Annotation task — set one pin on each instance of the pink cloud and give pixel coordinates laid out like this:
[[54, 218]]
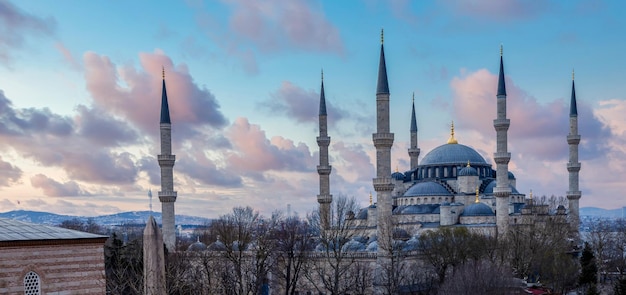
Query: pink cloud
[[254, 152], [53, 188], [9, 173], [68, 57], [353, 162], [130, 92]]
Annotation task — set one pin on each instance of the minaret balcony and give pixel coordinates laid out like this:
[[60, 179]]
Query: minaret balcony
[[168, 196], [414, 152], [574, 195], [573, 167], [573, 139], [382, 139], [502, 158], [501, 124], [324, 169], [323, 140], [324, 199], [383, 184], [166, 160]]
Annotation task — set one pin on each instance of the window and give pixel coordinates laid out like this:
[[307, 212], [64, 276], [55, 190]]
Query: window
[[32, 284]]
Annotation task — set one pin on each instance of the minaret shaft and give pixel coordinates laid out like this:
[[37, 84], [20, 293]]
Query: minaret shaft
[[502, 191], [324, 168], [573, 165], [167, 195]]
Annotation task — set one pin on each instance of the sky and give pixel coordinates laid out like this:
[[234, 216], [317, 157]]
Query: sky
[[80, 91]]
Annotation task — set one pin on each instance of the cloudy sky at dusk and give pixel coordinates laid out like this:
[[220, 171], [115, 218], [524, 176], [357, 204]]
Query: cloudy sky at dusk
[[80, 92]]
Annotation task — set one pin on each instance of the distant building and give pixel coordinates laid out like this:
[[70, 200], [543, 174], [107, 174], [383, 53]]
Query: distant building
[[41, 259]]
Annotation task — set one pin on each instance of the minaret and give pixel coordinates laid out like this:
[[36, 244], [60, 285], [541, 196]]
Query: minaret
[[167, 195], [414, 151], [502, 157], [573, 166], [383, 140], [323, 169]]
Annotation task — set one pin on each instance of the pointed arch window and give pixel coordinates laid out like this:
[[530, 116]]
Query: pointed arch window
[[32, 284]]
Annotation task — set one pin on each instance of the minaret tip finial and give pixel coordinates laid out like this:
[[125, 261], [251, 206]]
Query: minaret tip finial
[[163, 72], [413, 96], [572, 74], [501, 49], [382, 36], [531, 194], [370, 198], [452, 140], [322, 75]]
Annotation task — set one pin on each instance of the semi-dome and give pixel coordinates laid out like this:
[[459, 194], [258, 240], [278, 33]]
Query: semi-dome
[[489, 188], [453, 153], [477, 209], [468, 171], [428, 188]]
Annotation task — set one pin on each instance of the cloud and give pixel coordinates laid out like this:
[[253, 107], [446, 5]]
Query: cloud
[[256, 153], [67, 56], [269, 27], [200, 168], [353, 162], [53, 188], [100, 128], [128, 92], [299, 104], [15, 26], [9, 173], [29, 121], [502, 10]]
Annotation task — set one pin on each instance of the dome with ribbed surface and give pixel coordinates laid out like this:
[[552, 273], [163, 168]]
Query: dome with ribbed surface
[[453, 154], [428, 188], [489, 188], [397, 176], [477, 209], [468, 171]]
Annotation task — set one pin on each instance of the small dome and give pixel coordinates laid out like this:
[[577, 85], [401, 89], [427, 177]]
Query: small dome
[[362, 214], [411, 245], [468, 171], [477, 209], [428, 188], [397, 176], [372, 247], [400, 234], [453, 154], [217, 246], [511, 175], [489, 188], [197, 246], [353, 246]]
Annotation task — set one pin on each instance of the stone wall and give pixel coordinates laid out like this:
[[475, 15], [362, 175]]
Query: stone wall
[[62, 268]]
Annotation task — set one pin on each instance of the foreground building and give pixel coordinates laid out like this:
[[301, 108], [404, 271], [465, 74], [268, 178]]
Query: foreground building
[[40, 259]]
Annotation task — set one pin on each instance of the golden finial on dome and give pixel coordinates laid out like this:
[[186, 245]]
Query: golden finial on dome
[[452, 140], [476, 200], [468, 164], [370, 198], [382, 36], [397, 168], [163, 72]]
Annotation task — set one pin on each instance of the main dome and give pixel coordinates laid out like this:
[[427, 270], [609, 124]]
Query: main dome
[[453, 153]]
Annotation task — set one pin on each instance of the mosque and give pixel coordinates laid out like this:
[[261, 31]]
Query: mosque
[[452, 185]]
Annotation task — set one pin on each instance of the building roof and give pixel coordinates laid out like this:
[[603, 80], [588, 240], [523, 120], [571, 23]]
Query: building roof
[[468, 171], [20, 231], [573, 110], [383, 84], [456, 154], [165, 109], [428, 188], [477, 209]]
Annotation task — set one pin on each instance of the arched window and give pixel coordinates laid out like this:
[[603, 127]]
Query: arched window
[[32, 285]]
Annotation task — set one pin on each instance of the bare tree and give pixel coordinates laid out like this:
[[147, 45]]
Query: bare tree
[[480, 277], [330, 267], [294, 239], [123, 266]]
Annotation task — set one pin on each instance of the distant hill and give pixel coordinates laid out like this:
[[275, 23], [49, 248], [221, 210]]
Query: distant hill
[[599, 212], [132, 217]]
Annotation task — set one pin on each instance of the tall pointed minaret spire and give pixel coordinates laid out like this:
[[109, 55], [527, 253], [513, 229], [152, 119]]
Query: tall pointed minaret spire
[[324, 169], [167, 195], [502, 191], [414, 150], [383, 141], [573, 166]]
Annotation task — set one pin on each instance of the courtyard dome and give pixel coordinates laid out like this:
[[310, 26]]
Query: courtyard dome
[[477, 209], [428, 188], [453, 154], [197, 246]]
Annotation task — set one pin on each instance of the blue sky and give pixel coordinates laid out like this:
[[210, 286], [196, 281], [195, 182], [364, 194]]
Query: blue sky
[[81, 89]]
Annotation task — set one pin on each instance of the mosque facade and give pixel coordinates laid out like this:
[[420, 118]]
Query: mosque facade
[[453, 184]]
